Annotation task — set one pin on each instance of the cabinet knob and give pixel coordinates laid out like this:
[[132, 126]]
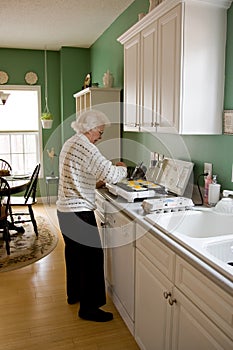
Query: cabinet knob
[[172, 301], [166, 294]]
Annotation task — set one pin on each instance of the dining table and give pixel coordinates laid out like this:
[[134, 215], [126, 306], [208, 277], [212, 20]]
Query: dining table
[[18, 184]]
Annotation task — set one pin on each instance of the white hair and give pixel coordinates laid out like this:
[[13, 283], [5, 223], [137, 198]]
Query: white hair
[[89, 120]]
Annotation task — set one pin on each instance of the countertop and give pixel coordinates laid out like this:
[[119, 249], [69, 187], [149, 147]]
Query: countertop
[[212, 268]]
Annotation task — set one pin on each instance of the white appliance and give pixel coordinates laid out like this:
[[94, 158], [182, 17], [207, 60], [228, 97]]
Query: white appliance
[[164, 205], [171, 179]]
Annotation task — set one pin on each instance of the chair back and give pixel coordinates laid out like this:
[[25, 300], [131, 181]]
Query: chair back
[[32, 186], [5, 168], [5, 193]]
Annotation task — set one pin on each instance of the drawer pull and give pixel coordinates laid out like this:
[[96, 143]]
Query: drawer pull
[[171, 301], [166, 294]]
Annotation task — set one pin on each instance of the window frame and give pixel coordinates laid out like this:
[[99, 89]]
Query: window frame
[[36, 88]]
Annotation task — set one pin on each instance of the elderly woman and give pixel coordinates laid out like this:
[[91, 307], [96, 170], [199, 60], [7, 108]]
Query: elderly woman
[[81, 167]]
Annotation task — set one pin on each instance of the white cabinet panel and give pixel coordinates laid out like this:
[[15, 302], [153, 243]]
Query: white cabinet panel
[[132, 84], [120, 261], [149, 38], [152, 312], [211, 299], [193, 330], [169, 65], [185, 311], [178, 73]]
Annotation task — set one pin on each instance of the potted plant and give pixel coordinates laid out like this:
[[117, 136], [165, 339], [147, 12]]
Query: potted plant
[[46, 119]]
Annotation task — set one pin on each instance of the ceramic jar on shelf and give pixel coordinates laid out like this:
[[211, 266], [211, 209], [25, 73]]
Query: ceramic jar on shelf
[[108, 79]]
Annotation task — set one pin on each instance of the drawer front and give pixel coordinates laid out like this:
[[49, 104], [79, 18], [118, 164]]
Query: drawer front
[[100, 203], [158, 253], [206, 295], [120, 228], [115, 217]]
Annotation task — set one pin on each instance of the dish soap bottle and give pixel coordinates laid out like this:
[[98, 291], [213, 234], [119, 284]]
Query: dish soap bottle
[[214, 191], [208, 181]]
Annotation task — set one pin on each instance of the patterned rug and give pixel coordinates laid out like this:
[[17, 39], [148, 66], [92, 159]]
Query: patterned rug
[[26, 248]]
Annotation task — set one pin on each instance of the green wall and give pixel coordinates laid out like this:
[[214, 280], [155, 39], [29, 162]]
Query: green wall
[[75, 64], [67, 69], [106, 54]]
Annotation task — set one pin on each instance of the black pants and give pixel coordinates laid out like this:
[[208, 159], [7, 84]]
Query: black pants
[[84, 259]]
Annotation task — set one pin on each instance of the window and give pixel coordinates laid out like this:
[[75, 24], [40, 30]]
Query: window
[[20, 131]]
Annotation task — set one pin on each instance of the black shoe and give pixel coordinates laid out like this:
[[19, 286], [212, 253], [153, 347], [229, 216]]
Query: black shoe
[[71, 301], [96, 315]]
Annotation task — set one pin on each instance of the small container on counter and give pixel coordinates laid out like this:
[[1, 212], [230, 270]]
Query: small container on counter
[[214, 191]]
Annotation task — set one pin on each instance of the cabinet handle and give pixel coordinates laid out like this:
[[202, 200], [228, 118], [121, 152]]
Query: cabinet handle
[[166, 294], [172, 301]]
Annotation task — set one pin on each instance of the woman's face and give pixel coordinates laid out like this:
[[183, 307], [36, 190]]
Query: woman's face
[[95, 134]]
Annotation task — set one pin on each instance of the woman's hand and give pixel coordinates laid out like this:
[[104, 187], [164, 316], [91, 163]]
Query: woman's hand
[[100, 184]]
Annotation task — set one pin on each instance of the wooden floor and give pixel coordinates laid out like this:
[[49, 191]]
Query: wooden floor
[[34, 313]]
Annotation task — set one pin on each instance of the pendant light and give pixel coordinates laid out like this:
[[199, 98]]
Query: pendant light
[[3, 97], [46, 116]]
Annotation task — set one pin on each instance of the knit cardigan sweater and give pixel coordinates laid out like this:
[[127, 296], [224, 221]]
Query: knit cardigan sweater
[[81, 165]]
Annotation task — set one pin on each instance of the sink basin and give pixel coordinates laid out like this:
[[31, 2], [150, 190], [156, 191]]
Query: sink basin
[[194, 223], [222, 250]]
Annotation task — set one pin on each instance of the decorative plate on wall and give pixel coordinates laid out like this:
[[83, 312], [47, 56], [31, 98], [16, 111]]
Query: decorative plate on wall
[[31, 78], [3, 77]]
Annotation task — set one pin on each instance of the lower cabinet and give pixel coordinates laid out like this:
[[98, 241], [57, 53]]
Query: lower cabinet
[[120, 262], [152, 310], [177, 310], [203, 313], [166, 302], [192, 329]]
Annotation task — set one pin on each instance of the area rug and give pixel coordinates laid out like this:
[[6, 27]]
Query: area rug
[[26, 248]]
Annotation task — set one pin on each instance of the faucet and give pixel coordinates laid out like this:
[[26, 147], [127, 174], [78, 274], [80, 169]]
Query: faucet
[[227, 193]]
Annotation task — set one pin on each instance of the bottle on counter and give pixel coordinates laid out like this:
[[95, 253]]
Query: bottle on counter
[[214, 191], [208, 181]]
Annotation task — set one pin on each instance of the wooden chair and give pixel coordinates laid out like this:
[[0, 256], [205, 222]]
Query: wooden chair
[[5, 168], [4, 212], [28, 200]]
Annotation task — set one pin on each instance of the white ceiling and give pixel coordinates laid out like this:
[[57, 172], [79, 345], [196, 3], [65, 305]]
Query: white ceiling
[[51, 24]]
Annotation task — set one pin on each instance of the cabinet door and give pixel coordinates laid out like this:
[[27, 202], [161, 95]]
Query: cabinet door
[[152, 311], [193, 330], [169, 63], [132, 84], [149, 52], [120, 242]]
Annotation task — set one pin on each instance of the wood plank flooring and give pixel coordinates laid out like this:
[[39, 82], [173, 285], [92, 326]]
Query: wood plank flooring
[[34, 313]]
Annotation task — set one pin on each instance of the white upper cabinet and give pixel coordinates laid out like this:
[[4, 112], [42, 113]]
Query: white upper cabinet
[[149, 43], [169, 69], [108, 101], [131, 83], [174, 66]]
